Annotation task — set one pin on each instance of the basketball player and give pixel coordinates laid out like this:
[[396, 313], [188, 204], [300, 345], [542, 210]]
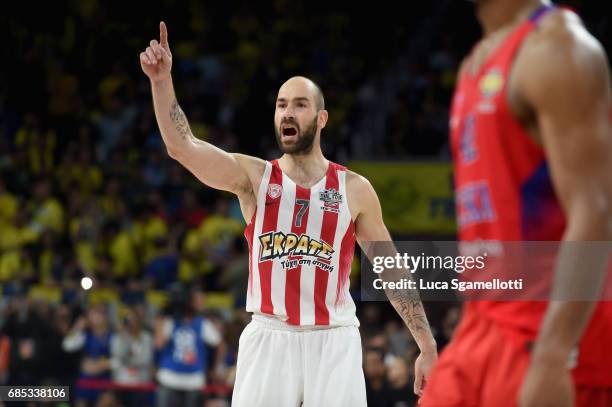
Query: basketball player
[[532, 146], [304, 214]]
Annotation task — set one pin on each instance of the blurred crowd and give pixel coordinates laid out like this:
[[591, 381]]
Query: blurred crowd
[[126, 355], [80, 65], [115, 355], [87, 189]]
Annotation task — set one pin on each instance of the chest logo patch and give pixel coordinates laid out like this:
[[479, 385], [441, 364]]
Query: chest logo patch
[[274, 191], [491, 83], [331, 199]]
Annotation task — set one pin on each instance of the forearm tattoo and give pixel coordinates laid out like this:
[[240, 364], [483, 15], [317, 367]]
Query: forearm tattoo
[[180, 121], [410, 308], [407, 303]]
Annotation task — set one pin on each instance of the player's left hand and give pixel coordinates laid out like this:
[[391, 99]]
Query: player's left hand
[[422, 367], [547, 386]]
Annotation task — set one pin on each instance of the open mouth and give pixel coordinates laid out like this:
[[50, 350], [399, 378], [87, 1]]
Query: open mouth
[[289, 131]]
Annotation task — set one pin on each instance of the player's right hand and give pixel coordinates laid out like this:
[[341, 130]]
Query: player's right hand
[[156, 60], [422, 368]]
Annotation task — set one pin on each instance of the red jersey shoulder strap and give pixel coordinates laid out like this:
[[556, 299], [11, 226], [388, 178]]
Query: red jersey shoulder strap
[[508, 47], [511, 45]]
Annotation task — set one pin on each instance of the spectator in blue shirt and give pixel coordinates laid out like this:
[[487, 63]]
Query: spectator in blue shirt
[[91, 335], [183, 338]]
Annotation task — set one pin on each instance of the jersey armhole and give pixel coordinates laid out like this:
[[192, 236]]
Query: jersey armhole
[[261, 193], [343, 181], [506, 106]]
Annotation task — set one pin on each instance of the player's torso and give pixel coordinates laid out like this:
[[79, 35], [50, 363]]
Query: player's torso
[[502, 182], [301, 243], [504, 193]]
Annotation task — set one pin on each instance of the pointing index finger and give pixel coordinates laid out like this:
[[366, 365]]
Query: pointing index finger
[[163, 35]]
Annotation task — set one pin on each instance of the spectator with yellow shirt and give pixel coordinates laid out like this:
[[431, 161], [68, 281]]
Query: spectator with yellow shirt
[[44, 210], [151, 226], [14, 232], [49, 259], [85, 229], [108, 202], [64, 171], [88, 175], [118, 245], [218, 231], [21, 267], [8, 203], [193, 262], [37, 144], [77, 170], [13, 237]]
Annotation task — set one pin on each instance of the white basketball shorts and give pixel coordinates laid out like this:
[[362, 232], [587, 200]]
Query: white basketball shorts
[[283, 365]]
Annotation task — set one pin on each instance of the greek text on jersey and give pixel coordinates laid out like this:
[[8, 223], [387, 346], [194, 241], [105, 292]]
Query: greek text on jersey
[[278, 244]]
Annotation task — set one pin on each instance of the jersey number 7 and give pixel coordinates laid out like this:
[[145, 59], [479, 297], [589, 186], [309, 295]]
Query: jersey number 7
[[303, 204]]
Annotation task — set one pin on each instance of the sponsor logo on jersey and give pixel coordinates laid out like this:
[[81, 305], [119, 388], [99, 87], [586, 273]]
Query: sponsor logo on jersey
[[468, 149], [275, 245], [474, 204], [489, 86], [331, 199], [274, 191], [491, 83]]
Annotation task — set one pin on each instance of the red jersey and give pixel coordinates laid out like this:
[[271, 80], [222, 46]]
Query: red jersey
[[301, 247], [504, 190]]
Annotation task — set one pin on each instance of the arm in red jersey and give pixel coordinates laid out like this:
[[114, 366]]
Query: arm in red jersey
[[562, 76], [370, 227], [216, 168]]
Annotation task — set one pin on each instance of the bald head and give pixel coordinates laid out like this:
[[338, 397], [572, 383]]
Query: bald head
[[299, 116], [307, 87]]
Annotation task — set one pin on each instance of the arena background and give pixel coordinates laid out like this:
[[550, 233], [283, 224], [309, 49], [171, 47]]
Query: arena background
[[87, 188]]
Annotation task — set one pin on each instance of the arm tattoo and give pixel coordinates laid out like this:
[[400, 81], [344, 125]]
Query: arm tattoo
[[410, 308], [180, 121], [407, 303]]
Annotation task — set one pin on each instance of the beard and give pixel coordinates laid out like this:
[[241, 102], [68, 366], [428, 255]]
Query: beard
[[304, 142]]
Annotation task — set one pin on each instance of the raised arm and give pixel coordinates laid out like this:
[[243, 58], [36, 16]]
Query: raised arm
[[216, 168], [563, 76], [370, 228], [75, 339]]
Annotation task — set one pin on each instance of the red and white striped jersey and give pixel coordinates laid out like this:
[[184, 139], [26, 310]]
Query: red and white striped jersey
[[301, 246]]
